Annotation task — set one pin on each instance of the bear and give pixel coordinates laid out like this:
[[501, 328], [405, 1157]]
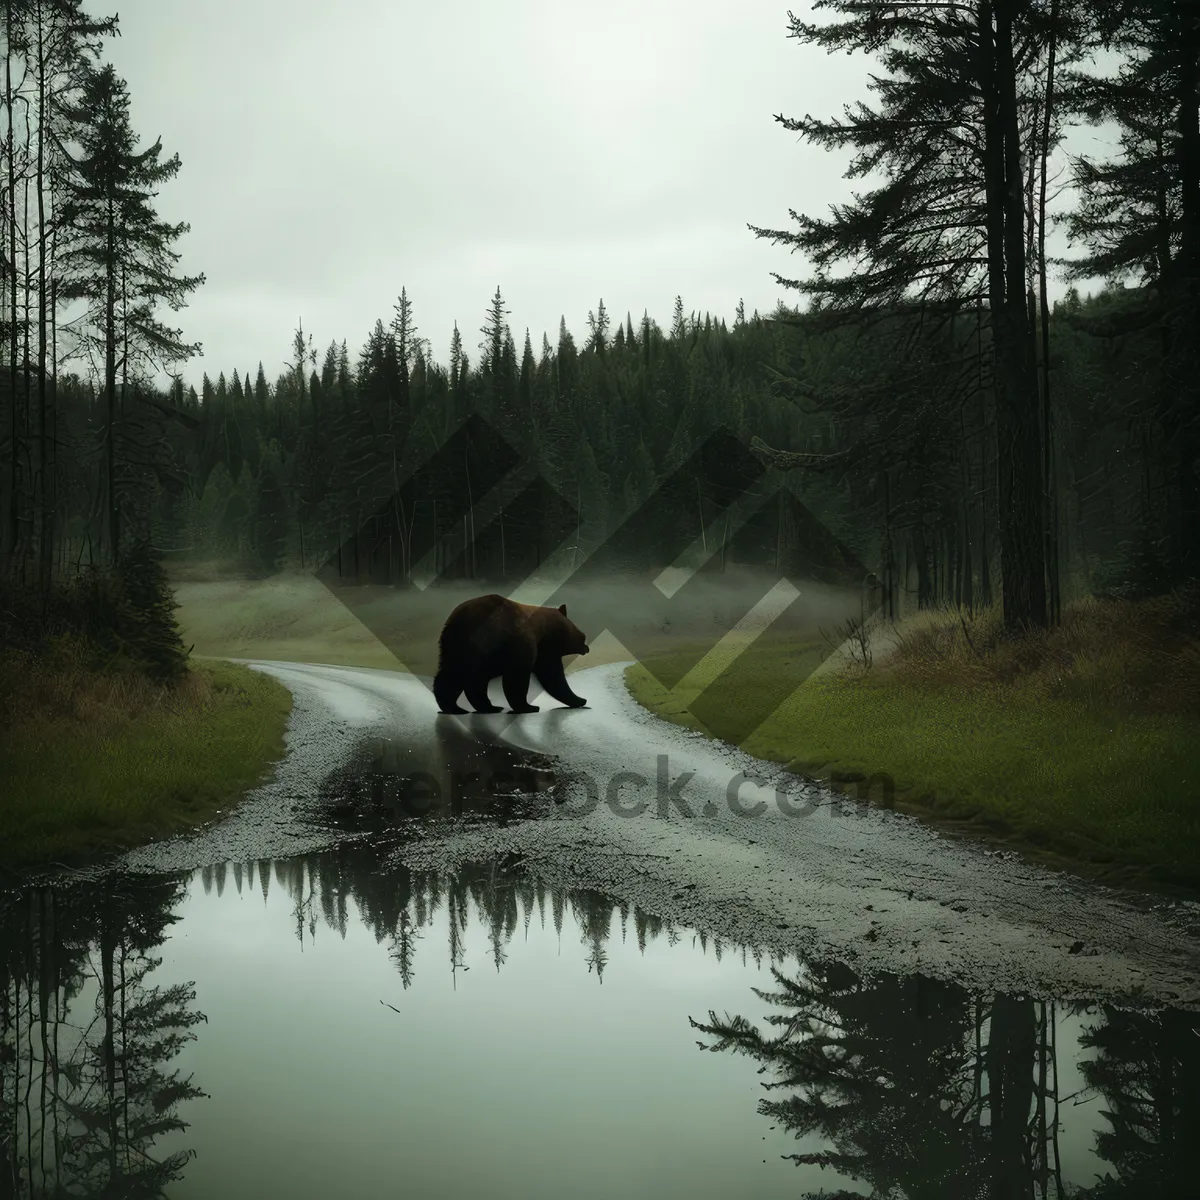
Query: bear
[[492, 635]]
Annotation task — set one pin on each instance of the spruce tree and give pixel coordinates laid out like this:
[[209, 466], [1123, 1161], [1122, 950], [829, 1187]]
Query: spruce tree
[[1139, 218], [678, 321], [948, 223], [528, 371], [146, 626], [404, 330], [493, 329], [598, 323], [116, 254]]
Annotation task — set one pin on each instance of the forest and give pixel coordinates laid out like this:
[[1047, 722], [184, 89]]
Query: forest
[[946, 410], [923, 409]]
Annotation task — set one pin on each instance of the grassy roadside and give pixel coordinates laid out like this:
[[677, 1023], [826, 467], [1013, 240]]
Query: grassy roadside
[[1080, 746], [93, 762]]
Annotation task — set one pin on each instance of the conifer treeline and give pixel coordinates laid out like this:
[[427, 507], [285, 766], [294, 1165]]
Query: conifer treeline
[[299, 467], [905, 456], [897, 390]]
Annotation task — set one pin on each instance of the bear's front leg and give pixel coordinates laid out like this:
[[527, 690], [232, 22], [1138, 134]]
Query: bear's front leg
[[552, 677], [516, 691]]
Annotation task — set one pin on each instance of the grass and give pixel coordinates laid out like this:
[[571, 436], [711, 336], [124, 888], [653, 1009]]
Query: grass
[[295, 618], [291, 618], [1079, 745], [94, 762]]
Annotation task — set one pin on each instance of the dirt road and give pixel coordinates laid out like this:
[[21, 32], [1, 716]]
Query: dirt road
[[674, 823]]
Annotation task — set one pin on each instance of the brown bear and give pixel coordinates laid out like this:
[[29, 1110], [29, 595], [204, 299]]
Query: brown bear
[[492, 635]]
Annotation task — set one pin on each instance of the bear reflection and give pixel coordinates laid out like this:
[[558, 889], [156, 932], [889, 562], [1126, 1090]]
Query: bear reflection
[[461, 774]]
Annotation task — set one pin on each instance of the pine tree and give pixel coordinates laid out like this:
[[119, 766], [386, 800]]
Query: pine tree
[[1139, 218], [61, 46], [329, 369], [493, 330], [270, 517], [344, 379], [405, 331], [528, 371], [147, 627], [457, 393], [678, 321], [598, 323], [942, 230], [507, 384], [262, 397], [567, 374], [116, 253]]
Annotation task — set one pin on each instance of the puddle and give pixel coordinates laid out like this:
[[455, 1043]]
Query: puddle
[[334, 1025], [391, 789]]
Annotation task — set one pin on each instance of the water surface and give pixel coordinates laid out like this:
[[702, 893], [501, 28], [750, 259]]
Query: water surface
[[334, 1024]]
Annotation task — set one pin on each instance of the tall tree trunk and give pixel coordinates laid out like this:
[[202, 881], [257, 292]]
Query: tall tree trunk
[[26, 380], [1012, 1046], [44, 487], [1049, 476], [1018, 425], [110, 388], [13, 528], [108, 949], [1187, 298], [52, 499]]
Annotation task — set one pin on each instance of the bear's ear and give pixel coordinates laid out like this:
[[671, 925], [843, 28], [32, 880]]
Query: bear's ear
[[562, 608]]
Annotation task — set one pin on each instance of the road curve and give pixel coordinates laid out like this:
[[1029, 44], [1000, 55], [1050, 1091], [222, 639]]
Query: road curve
[[873, 888]]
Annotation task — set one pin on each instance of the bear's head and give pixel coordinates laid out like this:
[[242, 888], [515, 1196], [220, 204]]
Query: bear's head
[[575, 640]]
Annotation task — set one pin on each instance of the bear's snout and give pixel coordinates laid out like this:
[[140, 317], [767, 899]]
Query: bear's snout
[[585, 650]]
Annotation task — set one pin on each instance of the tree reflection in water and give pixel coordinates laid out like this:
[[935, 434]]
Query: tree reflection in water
[[86, 1041], [398, 906], [925, 1091], [1147, 1067], [914, 1087]]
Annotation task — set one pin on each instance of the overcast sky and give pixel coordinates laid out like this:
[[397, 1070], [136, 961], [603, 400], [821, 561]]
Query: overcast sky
[[333, 153]]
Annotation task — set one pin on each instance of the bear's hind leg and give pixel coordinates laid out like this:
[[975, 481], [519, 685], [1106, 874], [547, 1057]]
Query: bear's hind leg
[[446, 691], [516, 690], [477, 697]]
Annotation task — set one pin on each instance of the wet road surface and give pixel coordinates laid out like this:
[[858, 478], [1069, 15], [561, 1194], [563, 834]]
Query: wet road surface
[[798, 870], [472, 956]]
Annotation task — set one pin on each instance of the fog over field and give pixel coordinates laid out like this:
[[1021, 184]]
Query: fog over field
[[297, 618]]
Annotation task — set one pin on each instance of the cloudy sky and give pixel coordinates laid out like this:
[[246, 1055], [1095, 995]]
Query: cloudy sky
[[333, 153]]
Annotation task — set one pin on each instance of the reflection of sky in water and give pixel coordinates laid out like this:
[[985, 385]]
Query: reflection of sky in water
[[325, 1076], [537, 1078], [1081, 1107]]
